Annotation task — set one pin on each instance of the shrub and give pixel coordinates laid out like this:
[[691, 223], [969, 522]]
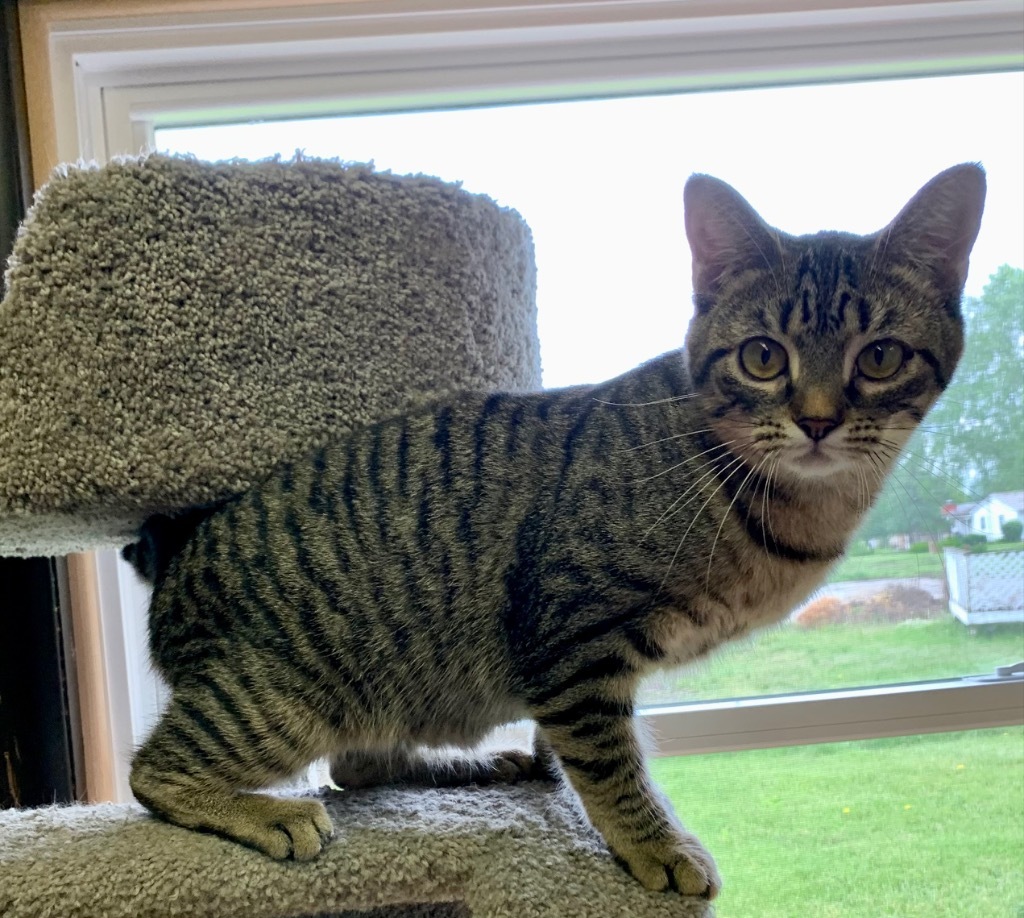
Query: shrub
[[825, 611], [1012, 530], [919, 548], [951, 542], [975, 539]]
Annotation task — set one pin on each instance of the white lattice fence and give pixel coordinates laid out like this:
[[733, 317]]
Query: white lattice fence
[[985, 588]]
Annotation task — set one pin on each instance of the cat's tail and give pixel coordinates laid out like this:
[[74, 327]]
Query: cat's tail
[[162, 537]]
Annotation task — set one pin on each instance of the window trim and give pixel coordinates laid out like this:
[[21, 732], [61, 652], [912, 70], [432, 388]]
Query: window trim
[[110, 82], [114, 79]]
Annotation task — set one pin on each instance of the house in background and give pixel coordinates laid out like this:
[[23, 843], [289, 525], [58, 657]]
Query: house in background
[[959, 516], [987, 516], [1000, 507]]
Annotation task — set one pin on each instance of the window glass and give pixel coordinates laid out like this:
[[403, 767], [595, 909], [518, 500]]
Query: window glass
[[600, 183]]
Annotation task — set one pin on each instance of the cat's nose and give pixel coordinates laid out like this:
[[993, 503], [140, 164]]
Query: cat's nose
[[818, 428]]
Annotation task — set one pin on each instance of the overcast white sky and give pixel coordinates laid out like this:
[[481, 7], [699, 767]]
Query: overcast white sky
[[600, 183]]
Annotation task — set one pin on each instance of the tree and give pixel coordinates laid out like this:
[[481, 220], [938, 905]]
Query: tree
[[912, 499], [974, 433]]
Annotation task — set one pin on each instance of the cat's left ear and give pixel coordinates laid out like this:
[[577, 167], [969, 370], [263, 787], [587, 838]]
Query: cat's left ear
[[938, 227]]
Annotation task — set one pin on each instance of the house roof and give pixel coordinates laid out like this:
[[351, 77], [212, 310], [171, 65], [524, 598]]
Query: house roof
[[960, 511], [1012, 499]]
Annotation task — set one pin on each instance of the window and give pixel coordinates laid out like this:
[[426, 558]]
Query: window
[[614, 290], [119, 85]]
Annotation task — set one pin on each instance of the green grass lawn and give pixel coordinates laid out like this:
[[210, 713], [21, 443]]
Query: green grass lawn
[[883, 563], [915, 827], [880, 563]]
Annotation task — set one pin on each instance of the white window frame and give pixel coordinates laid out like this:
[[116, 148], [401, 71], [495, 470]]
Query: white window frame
[[115, 80]]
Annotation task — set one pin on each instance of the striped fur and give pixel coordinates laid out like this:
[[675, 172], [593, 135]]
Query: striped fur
[[502, 556]]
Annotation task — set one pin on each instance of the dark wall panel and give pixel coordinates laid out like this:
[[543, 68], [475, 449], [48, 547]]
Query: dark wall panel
[[36, 726]]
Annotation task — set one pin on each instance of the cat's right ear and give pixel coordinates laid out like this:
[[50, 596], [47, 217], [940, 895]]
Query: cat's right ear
[[725, 233]]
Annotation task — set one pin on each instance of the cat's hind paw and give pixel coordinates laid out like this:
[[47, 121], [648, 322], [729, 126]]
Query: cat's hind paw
[[513, 766]]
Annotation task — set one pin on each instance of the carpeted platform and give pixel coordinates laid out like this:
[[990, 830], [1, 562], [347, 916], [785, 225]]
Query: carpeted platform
[[502, 852], [172, 329]]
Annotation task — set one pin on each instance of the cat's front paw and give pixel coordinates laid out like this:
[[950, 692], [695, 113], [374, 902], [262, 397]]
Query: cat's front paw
[[282, 829], [675, 861]]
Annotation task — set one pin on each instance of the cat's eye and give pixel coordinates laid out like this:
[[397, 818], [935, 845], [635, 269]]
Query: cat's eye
[[881, 359], [763, 358]]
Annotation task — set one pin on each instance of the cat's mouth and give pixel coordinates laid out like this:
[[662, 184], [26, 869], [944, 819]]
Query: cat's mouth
[[816, 458], [814, 455]]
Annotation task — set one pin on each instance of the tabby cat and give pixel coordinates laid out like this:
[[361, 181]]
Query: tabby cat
[[505, 556]]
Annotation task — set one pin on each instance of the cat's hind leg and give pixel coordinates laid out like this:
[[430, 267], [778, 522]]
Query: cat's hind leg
[[409, 764], [211, 746]]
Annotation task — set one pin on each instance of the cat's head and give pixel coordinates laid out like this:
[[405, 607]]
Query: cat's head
[[817, 355]]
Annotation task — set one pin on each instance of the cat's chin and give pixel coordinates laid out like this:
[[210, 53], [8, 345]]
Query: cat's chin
[[817, 464]]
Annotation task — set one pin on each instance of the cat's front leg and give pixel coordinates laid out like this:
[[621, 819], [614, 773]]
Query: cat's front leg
[[601, 756], [210, 747]]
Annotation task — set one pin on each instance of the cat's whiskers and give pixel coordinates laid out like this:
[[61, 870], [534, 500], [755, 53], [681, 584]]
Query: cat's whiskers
[[875, 474], [930, 466], [678, 436], [773, 477], [892, 451], [864, 488], [931, 428], [732, 468], [873, 470], [897, 483], [660, 401], [674, 507], [679, 465], [878, 466], [711, 556], [764, 500]]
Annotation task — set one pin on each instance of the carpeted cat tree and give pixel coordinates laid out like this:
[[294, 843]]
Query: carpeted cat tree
[[173, 329]]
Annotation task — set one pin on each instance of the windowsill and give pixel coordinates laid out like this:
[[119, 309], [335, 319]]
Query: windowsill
[[833, 716]]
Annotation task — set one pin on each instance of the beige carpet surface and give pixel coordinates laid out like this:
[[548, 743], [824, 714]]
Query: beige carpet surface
[[172, 329], [505, 852]]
